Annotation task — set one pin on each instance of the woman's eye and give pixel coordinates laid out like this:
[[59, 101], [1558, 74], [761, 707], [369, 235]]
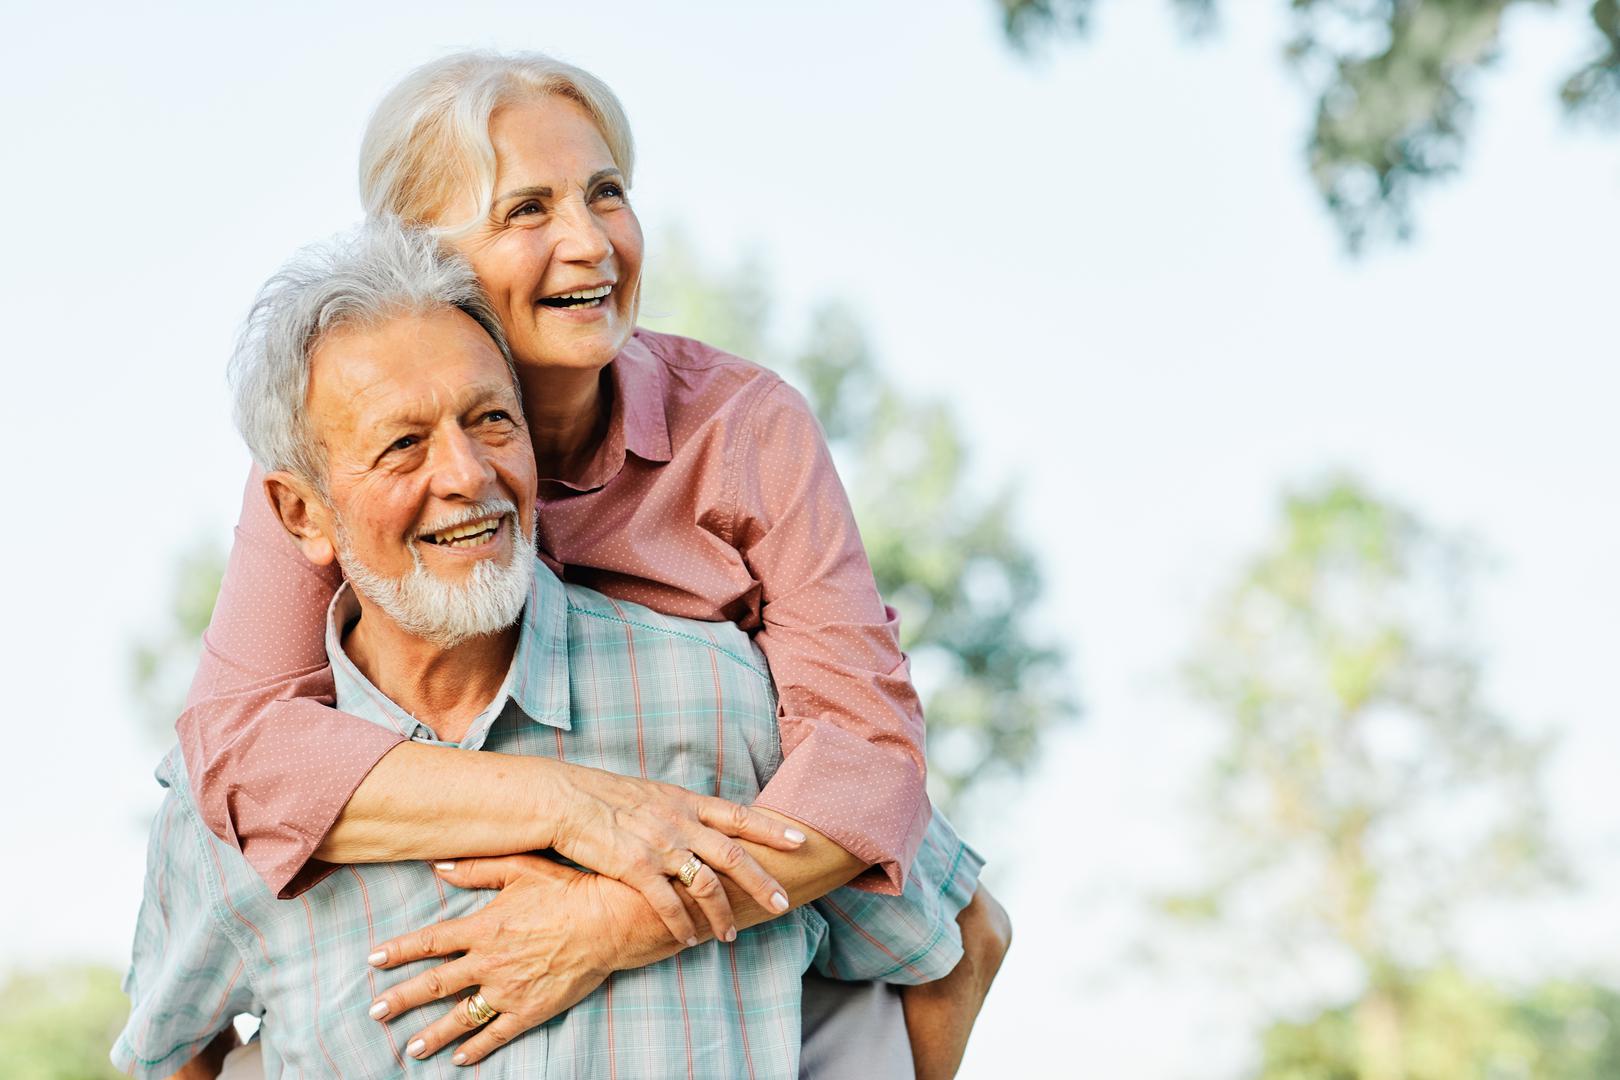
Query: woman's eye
[[404, 442], [610, 191], [525, 210]]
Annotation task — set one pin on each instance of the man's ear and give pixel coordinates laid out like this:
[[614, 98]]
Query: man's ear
[[303, 514]]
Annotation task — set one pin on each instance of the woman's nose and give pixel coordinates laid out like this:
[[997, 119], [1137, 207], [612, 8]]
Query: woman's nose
[[581, 237]]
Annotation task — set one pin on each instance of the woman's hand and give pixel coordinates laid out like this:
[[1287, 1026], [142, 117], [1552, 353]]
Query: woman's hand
[[535, 950], [640, 832]]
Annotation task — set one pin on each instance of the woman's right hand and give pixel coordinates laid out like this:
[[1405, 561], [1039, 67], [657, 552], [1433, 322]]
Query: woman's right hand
[[640, 832]]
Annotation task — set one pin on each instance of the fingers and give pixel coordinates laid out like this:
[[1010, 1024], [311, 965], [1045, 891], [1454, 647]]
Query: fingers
[[431, 985], [490, 1038], [446, 1029], [659, 892], [440, 939], [712, 901], [729, 858], [748, 824], [490, 873]]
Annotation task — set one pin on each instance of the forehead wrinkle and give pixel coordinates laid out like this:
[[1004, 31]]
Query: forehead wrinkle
[[433, 403]]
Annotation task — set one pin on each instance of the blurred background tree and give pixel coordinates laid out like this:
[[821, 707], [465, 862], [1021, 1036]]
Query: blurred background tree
[[59, 1024], [162, 662], [947, 557], [1364, 797], [1393, 83]]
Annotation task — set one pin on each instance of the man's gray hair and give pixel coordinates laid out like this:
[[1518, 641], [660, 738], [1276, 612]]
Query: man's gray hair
[[381, 270]]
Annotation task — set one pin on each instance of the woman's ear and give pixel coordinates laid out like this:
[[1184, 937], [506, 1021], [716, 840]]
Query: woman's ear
[[303, 514]]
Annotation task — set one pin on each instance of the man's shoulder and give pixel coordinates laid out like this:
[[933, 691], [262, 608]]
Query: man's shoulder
[[591, 613]]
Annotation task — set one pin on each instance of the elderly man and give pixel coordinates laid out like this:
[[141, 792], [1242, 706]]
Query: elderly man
[[407, 462]]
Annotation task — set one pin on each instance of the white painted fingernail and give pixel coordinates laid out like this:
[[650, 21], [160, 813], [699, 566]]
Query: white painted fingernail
[[794, 835], [731, 933], [416, 1047], [379, 1009], [378, 958], [779, 902], [459, 1059], [444, 867], [690, 942]]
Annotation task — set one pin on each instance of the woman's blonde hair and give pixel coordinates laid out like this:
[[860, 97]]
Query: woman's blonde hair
[[427, 145]]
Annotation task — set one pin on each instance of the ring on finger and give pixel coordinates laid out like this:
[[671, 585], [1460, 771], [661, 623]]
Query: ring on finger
[[689, 870], [479, 1012]]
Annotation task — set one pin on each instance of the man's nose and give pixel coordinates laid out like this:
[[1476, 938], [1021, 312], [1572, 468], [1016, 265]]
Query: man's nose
[[462, 468]]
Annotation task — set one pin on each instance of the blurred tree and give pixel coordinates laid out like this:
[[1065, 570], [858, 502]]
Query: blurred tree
[[1393, 83], [59, 1024], [162, 663], [1364, 795], [952, 563], [1460, 1027]]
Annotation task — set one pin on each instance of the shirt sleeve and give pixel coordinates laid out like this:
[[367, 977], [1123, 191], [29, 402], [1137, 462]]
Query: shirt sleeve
[[272, 764], [851, 723], [186, 982], [911, 938]]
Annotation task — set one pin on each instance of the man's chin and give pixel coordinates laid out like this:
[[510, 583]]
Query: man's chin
[[486, 598]]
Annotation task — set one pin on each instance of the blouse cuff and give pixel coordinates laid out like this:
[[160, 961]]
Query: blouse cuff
[[869, 800]]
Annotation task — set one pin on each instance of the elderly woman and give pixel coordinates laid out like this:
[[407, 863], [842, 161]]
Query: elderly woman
[[674, 476]]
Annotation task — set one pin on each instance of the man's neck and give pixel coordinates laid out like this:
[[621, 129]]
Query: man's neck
[[444, 688]]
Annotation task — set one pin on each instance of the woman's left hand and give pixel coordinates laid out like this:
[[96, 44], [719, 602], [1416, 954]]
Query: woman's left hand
[[534, 951]]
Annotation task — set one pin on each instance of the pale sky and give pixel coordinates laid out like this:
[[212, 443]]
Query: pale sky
[[1111, 264]]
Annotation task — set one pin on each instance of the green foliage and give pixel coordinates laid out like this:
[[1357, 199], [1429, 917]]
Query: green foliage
[[1393, 83], [1363, 794], [951, 563], [162, 663], [60, 1024], [1461, 1027]]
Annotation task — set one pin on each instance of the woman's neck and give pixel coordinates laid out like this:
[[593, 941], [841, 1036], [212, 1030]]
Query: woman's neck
[[568, 413]]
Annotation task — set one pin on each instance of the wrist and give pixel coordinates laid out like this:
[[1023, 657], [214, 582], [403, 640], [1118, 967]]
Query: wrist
[[546, 794]]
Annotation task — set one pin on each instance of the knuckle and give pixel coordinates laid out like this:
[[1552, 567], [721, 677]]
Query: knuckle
[[433, 983], [740, 817], [732, 856], [424, 940], [705, 884], [499, 1036]]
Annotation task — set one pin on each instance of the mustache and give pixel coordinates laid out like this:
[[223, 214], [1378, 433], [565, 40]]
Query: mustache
[[476, 512]]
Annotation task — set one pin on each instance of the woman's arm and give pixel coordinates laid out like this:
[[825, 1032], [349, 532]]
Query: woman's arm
[[271, 763], [852, 726], [276, 769]]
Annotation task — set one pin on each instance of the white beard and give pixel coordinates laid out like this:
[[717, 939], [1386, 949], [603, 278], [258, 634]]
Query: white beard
[[446, 615]]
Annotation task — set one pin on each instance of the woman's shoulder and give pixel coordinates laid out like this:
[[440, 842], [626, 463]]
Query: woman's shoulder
[[701, 383]]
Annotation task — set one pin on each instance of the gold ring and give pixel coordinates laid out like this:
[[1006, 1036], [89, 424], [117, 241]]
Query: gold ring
[[689, 870], [478, 1010]]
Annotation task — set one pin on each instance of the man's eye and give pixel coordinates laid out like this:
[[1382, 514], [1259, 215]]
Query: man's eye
[[498, 416], [525, 210], [404, 442]]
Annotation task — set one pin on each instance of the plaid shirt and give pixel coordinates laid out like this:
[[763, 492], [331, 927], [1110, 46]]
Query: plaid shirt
[[593, 681]]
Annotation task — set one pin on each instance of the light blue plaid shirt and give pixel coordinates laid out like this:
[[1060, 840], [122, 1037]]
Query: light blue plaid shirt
[[594, 681]]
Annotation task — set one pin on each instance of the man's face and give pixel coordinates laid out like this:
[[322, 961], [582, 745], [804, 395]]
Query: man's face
[[430, 474]]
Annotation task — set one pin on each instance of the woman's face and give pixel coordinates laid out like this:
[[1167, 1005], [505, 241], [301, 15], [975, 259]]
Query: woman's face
[[560, 225]]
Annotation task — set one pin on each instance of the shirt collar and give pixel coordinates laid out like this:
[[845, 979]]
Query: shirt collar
[[536, 682], [638, 423]]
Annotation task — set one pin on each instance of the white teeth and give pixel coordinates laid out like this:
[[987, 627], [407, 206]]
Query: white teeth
[[584, 294]]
